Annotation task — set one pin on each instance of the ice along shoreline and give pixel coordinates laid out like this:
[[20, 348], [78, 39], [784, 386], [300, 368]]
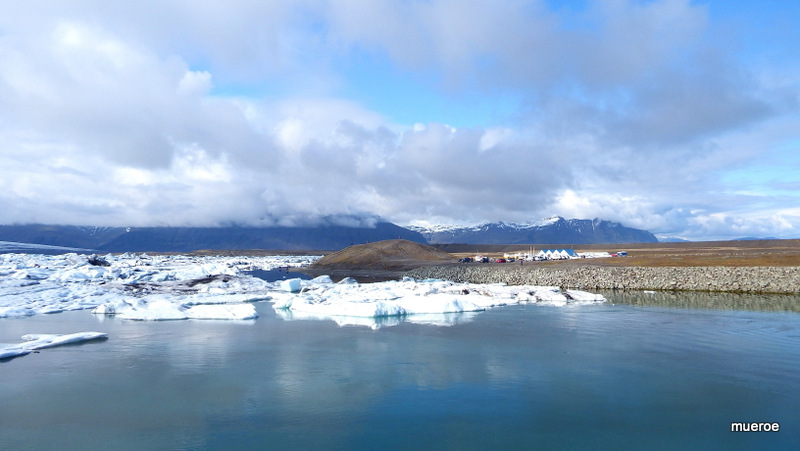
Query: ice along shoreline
[[141, 287]]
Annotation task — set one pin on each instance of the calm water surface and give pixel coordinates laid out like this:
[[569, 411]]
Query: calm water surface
[[518, 377]]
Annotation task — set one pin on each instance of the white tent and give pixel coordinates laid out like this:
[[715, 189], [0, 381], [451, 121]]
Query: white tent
[[557, 254]]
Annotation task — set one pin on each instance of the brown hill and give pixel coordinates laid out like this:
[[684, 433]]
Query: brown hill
[[389, 254]]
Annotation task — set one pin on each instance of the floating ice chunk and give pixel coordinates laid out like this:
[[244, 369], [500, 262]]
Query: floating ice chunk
[[292, 285], [33, 342], [231, 284], [584, 296], [440, 303], [222, 311], [41, 341], [346, 307], [282, 300], [409, 298], [151, 310], [16, 311], [31, 273], [9, 351], [550, 295], [164, 308], [19, 299], [82, 274]]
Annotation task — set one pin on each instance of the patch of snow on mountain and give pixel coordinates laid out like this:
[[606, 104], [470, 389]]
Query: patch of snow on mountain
[[485, 226]]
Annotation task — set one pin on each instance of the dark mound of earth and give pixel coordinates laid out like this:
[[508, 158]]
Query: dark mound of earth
[[387, 255]]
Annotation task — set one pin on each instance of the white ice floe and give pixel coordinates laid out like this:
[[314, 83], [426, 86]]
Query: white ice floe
[[417, 301], [164, 308], [141, 287], [33, 342], [33, 284], [231, 311]]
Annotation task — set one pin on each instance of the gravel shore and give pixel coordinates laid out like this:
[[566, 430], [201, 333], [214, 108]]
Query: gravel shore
[[717, 278]]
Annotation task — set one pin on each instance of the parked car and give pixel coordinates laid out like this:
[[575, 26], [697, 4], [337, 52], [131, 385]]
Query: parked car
[[465, 260], [501, 260]]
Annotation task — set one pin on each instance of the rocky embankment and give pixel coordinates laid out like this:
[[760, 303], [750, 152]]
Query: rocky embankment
[[589, 277]]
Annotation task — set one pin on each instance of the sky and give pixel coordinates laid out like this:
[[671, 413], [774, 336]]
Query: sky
[[678, 117]]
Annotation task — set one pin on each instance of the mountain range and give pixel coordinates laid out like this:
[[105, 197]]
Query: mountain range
[[187, 239], [553, 230], [327, 236]]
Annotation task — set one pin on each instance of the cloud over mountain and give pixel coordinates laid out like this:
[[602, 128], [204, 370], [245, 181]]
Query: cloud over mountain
[[665, 115]]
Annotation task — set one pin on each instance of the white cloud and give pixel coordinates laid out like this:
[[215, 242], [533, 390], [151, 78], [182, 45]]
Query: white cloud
[[493, 137], [641, 112], [195, 83]]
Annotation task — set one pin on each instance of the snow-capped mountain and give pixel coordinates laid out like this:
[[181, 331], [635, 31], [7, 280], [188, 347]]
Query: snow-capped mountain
[[552, 230]]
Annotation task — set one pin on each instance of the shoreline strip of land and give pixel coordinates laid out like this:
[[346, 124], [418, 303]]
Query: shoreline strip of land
[[779, 280]]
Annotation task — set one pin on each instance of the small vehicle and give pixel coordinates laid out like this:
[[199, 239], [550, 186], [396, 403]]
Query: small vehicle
[[465, 260], [500, 260]]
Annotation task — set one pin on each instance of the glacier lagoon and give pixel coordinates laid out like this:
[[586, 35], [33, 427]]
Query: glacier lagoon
[[544, 375], [518, 377]]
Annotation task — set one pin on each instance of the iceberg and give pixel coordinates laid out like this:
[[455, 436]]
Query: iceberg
[[352, 303], [292, 285], [160, 308], [142, 310], [226, 312]]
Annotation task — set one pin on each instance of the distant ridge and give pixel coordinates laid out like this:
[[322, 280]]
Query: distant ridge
[[551, 230], [188, 239]]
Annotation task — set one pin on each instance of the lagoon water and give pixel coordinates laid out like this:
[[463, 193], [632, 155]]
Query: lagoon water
[[607, 376]]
